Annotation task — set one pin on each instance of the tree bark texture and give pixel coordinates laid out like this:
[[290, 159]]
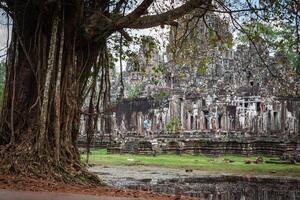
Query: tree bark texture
[[48, 67]]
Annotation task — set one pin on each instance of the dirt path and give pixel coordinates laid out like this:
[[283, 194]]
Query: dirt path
[[21, 195], [51, 190]]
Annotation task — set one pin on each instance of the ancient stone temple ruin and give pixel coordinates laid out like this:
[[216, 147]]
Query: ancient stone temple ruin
[[233, 106], [198, 124], [249, 115]]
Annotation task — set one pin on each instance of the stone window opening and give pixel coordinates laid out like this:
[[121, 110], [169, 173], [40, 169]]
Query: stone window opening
[[205, 123], [203, 103], [232, 119], [220, 121], [206, 114], [192, 122], [258, 107]]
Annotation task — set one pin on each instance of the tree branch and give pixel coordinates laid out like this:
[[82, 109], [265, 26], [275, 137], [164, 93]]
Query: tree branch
[[166, 17], [119, 5], [5, 8], [134, 15]]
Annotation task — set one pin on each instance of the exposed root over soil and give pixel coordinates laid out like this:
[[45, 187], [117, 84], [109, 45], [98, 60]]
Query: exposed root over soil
[[22, 161], [21, 169]]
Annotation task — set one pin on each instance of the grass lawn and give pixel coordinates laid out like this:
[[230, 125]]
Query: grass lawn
[[200, 162]]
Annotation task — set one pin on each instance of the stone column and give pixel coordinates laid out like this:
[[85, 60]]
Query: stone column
[[201, 120], [195, 115], [188, 121], [140, 123], [182, 111]]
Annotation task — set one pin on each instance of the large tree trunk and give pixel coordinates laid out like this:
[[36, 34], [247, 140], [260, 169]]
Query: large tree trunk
[[40, 119]]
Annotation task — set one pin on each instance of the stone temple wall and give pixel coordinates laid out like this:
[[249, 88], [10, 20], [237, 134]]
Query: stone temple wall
[[253, 115], [195, 125]]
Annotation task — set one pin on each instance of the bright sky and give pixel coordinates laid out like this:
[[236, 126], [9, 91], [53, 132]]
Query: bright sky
[[3, 37]]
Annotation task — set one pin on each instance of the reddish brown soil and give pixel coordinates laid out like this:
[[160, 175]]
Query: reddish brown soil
[[27, 184]]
